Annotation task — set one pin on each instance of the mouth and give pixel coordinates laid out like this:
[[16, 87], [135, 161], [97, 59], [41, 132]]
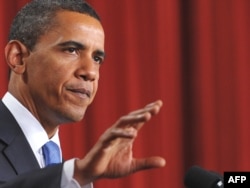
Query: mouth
[[81, 92]]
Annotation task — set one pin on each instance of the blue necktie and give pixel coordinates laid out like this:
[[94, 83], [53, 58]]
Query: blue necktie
[[51, 153]]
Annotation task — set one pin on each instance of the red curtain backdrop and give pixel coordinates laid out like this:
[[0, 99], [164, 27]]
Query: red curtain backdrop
[[194, 55]]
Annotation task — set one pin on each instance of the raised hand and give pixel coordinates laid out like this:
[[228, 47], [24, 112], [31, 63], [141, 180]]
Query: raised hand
[[112, 155]]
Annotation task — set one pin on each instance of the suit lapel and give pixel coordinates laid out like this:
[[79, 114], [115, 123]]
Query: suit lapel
[[21, 156], [17, 150]]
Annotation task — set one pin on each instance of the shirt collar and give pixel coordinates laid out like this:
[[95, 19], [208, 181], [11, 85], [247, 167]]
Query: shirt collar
[[31, 127]]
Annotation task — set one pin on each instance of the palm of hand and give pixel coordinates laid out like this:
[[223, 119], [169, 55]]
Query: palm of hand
[[112, 155], [120, 162]]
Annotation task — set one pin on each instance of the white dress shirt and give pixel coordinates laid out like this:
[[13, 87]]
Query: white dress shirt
[[37, 137]]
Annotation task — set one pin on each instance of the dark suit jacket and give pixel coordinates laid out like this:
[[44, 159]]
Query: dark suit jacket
[[18, 165]]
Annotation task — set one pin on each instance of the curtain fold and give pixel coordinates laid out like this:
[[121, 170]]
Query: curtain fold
[[194, 55]]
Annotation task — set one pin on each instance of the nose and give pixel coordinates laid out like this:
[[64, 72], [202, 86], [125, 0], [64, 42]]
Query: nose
[[88, 69]]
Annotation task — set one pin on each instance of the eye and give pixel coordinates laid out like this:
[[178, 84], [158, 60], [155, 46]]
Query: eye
[[98, 59], [71, 50]]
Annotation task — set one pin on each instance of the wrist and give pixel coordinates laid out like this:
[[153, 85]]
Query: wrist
[[83, 177]]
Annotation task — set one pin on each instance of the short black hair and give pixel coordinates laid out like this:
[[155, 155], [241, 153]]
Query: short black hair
[[35, 18]]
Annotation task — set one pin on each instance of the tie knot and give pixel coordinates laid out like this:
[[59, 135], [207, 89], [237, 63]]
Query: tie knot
[[51, 153]]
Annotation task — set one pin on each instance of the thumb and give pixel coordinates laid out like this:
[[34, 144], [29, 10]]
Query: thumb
[[148, 163]]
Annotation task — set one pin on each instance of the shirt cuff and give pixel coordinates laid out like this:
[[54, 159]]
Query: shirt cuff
[[67, 180]]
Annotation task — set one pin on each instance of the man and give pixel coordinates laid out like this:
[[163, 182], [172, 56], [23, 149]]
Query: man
[[55, 51]]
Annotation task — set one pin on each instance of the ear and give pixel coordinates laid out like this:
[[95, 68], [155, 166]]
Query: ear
[[15, 51]]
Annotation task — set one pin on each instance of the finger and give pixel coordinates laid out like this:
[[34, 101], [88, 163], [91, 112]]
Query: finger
[[133, 120], [148, 163], [114, 133], [158, 102], [152, 108], [126, 127], [117, 137]]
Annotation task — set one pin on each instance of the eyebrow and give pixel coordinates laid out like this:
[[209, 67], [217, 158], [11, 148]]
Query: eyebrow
[[72, 43], [81, 47], [100, 53]]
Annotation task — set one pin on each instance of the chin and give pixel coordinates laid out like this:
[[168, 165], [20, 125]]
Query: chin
[[72, 116], [70, 119], [71, 112], [77, 116]]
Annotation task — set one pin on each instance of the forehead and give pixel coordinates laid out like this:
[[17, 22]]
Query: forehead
[[74, 26], [63, 17]]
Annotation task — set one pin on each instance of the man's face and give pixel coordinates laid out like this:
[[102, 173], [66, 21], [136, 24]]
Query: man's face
[[62, 71]]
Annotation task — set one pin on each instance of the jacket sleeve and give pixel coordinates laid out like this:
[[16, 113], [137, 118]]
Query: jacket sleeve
[[49, 177]]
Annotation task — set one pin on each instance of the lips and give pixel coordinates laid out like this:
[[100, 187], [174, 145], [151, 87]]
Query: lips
[[81, 92]]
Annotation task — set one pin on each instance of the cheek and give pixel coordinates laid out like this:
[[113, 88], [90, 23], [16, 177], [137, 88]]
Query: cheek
[[97, 81], [45, 79], [95, 88]]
